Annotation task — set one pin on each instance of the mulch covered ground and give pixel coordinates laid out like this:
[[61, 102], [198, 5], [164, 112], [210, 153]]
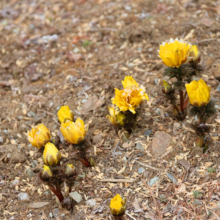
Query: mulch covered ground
[[55, 53]]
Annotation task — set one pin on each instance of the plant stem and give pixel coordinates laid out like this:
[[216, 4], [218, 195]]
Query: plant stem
[[181, 101], [57, 193]]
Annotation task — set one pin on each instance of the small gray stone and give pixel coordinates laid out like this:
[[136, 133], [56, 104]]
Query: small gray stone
[[76, 196], [91, 202], [153, 181], [51, 215], [218, 88], [56, 213], [217, 106], [172, 178], [147, 132], [30, 173], [160, 143], [23, 196], [31, 114], [141, 170], [139, 147], [16, 182], [34, 163]]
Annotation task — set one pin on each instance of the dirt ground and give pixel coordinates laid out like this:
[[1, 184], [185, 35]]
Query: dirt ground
[[61, 52]]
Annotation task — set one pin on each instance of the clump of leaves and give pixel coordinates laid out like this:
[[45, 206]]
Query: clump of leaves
[[211, 169], [87, 43], [197, 194]]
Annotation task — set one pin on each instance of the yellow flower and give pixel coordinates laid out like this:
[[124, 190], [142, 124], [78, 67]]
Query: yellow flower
[[64, 114], [70, 170], [129, 81], [39, 136], [175, 52], [73, 133], [51, 154], [131, 96], [46, 173], [198, 92], [118, 205], [194, 53]]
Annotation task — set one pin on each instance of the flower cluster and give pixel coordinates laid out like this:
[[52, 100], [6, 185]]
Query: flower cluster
[[126, 100], [52, 174], [182, 60]]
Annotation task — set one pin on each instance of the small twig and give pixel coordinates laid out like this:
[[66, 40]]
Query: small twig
[[49, 113], [148, 166], [206, 40], [174, 193], [118, 180], [113, 153], [3, 157], [126, 212], [214, 213], [157, 208]]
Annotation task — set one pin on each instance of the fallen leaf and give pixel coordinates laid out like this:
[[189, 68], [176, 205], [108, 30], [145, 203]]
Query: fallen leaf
[[37, 205]]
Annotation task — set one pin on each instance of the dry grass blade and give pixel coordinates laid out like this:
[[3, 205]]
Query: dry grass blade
[[157, 208]]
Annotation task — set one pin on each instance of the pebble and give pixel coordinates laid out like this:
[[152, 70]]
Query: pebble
[[51, 215], [56, 213], [153, 181], [34, 163], [76, 196], [160, 143], [218, 88], [141, 170], [16, 182], [147, 132], [217, 106], [91, 202], [172, 178], [30, 173], [139, 147], [31, 114], [23, 196]]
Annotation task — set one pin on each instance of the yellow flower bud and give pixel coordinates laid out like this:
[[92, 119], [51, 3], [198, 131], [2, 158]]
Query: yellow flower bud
[[175, 52], [198, 92], [73, 133], [118, 205], [51, 155], [111, 117], [131, 96], [70, 170], [200, 141], [115, 117], [65, 114], [46, 173], [91, 161], [167, 88], [39, 136], [194, 54]]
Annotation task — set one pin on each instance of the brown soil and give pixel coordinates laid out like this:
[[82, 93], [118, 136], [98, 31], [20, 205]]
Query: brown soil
[[90, 46]]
